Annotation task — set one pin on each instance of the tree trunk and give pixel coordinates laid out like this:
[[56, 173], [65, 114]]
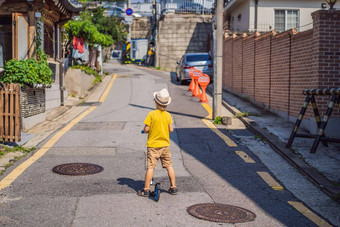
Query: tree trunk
[[92, 57]]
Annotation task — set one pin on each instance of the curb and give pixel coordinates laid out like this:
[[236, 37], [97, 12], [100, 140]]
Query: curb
[[279, 147]]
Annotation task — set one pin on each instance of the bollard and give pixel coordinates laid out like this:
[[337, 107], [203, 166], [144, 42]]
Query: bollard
[[192, 83], [196, 92], [203, 81]]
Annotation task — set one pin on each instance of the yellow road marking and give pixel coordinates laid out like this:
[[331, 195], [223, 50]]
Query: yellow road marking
[[7, 181], [270, 181], [309, 214], [208, 123], [106, 92], [245, 157]]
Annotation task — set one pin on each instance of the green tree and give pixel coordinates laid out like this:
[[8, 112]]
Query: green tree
[[96, 28]]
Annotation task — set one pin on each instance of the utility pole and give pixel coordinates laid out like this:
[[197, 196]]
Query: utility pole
[[129, 25], [217, 96]]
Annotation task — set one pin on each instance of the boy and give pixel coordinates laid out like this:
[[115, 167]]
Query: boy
[[158, 124]]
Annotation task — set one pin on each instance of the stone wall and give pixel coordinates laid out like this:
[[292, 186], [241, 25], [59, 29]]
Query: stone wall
[[32, 101], [140, 28], [178, 35], [78, 83]]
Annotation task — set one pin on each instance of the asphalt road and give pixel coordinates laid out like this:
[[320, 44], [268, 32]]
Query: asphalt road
[[208, 170]]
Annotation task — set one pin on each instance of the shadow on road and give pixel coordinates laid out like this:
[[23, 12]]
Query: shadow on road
[[171, 112], [131, 183]]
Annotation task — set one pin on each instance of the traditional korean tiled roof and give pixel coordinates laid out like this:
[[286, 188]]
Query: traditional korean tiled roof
[[71, 5]]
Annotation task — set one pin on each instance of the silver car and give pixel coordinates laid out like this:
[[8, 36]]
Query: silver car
[[200, 61]]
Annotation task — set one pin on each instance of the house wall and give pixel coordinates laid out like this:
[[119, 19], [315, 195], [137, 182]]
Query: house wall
[[266, 14], [243, 23], [305, 7], [273, 69]]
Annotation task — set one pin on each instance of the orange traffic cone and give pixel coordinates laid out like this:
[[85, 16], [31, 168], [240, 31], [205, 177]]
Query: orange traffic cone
[[192, 83], [203, 81], [196, 91]]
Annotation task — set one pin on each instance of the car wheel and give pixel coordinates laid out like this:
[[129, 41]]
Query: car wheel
[[181, 82], [177, 78]]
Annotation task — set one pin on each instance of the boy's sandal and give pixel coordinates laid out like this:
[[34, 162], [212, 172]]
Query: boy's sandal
[[173, 191], [143, 193]]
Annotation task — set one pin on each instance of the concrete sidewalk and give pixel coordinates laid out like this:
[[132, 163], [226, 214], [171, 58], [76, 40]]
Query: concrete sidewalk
[[322, 168]]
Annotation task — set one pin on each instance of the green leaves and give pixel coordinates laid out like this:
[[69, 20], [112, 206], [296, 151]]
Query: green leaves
[[95, 28], [27, 72], [218, 120]]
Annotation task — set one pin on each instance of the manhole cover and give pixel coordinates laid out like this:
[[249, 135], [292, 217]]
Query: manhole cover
[[77, 169], [221, 213]]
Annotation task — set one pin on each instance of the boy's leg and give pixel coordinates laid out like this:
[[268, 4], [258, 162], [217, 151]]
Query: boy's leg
[[148, 178], [172, 178]]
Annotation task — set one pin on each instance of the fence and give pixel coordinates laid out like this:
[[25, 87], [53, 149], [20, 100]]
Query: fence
[[271, 69], [10, 113], [163, 7]]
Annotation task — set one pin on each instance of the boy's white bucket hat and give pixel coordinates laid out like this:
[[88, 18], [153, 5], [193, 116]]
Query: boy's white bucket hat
[[162, 97]]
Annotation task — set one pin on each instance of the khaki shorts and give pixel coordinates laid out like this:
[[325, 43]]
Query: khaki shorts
[[155, 153]]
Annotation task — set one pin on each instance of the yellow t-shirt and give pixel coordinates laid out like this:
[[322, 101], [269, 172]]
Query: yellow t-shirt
[[159, 122]]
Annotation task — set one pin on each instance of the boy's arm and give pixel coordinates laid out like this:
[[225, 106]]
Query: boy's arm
[[171, 128], [146, 128]]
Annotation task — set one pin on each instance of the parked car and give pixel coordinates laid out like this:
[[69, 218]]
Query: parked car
[[191, 7], [201, 61], [117, 11]]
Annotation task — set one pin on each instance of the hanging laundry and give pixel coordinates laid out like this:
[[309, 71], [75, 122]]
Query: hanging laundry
[[78, 44]]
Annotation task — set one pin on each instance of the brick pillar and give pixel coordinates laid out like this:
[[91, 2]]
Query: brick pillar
[[326, 36]]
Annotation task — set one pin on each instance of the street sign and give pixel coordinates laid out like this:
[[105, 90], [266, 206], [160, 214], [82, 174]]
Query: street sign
[[129, 11]]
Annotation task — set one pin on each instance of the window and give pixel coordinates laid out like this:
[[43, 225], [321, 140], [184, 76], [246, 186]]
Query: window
[[204, 57], [286, 19]]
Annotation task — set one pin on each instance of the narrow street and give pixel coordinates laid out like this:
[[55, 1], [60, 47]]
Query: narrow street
[[211, 166]]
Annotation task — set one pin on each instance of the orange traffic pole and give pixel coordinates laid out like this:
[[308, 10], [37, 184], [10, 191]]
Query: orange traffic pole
[[196, 91], [203, 81]]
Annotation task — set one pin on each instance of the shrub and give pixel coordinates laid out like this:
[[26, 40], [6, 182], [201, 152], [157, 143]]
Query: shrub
[[27, 72]]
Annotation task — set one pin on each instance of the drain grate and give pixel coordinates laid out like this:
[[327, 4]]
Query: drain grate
[[77, 169], [221, 213]]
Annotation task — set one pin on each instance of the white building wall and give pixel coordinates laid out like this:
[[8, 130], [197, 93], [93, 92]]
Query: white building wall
[[241, 24], [266, 9], [306, 8]]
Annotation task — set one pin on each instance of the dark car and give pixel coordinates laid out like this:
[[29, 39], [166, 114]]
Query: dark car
[[200, 61], [191, 7]]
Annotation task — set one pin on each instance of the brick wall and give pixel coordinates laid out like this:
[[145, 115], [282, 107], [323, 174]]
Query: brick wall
[[262, 68], [237, 65], [249, 66], [302, 76], [227, 79], [280, 72], [274, 69], [326, 35]]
